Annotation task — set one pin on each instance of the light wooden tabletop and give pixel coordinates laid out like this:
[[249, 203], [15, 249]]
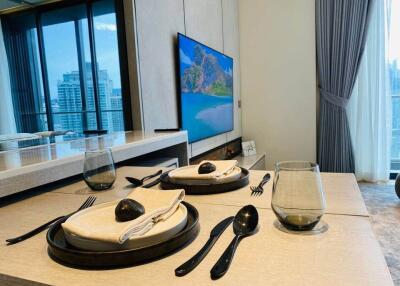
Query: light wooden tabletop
[[347, 254], [341, 191]]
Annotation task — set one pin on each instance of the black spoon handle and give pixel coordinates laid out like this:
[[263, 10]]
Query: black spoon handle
[[156, 181], [189, 265], [152, 176], [265, 180], [152, 183], [223, 263]]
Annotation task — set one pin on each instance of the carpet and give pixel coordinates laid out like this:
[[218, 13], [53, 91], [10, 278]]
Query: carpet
[[384, 207]]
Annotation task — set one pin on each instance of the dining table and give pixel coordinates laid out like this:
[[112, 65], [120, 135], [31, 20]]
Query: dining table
[[348, 253]]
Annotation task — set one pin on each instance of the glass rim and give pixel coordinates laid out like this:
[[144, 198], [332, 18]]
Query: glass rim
[[281, 166]]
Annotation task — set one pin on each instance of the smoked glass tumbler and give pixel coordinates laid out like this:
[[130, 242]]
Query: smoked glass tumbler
[[298, 199], [99, 170]]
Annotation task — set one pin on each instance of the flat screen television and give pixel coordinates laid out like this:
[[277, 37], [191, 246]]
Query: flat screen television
[[206, 90]]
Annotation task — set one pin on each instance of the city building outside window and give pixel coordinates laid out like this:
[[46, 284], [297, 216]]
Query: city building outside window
[[65, 67]]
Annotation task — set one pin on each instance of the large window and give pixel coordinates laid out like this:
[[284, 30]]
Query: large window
[[394, 76], [65, 67], [395, 91]]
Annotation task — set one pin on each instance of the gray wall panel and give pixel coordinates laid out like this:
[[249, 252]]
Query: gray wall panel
[[204, 22], [230, 9], [157, 25]]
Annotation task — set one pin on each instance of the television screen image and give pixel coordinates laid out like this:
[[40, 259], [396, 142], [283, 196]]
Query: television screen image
[[206, 90]]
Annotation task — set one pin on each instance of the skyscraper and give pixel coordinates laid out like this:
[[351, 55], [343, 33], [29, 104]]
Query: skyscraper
[[116, 104], [71, 110], [69, 103]]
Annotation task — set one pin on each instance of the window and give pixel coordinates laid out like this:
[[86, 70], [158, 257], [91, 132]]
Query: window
[[394, 76], [395, 91], [65, 67]]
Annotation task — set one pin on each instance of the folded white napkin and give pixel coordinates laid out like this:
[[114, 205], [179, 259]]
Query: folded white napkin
[[99, 223], [223, 168]]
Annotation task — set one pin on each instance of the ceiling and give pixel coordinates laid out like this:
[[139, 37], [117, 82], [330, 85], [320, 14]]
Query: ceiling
[[7, 6]]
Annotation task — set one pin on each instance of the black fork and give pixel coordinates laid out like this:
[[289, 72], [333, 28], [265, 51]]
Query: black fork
[[257, 191], [88, 203]]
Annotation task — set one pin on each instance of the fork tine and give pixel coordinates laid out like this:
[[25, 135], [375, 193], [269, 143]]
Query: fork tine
[[89, 202], [84, 204], [93, 199]]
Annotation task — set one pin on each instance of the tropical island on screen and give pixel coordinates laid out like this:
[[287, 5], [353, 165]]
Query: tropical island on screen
[[206, 90]]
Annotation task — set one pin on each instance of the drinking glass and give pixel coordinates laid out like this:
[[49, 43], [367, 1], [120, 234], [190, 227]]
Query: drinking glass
[[99, 169], [298, 199]]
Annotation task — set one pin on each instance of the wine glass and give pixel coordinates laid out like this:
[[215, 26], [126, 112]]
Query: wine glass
[[298, 199], [99, 169]]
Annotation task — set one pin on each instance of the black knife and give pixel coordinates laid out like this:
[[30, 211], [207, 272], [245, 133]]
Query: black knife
[[216, 232]]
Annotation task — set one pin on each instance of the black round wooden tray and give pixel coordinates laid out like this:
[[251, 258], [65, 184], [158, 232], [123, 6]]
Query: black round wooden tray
[[64, 253], [206, 189]]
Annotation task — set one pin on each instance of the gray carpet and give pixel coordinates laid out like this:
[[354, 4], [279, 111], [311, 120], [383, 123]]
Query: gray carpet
[[384, 208]]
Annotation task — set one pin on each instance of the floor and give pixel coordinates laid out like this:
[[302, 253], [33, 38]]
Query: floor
[[384, 207]]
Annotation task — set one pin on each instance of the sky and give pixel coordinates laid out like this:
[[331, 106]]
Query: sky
[[61, 51]]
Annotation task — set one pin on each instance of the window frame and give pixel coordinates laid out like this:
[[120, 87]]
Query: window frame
[[122, 52]]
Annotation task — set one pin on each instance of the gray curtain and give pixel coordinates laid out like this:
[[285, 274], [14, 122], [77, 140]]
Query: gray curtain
[[341, 30]]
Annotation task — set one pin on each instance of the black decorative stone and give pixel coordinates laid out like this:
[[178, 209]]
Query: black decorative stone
[[128, 209], [206, 168]]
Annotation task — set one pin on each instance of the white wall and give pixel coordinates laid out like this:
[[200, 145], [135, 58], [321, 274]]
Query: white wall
[[278, 77], [212, 22]]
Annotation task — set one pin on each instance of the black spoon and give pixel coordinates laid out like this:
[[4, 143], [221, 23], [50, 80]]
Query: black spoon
[[244, 224], [138, 182]]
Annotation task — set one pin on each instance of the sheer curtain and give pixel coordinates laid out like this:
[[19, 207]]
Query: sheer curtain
[[7, 120], [369, 109]]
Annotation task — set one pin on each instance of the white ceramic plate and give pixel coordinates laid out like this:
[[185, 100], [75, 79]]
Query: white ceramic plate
[[162, 231], [232, 176]]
